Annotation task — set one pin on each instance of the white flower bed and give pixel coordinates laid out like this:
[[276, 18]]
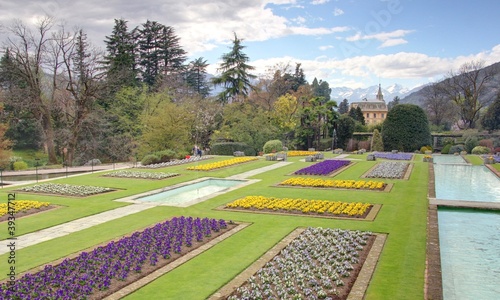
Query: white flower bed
[[389, 169], [311, 267], [66, 189], [175, 162], [141, 175]]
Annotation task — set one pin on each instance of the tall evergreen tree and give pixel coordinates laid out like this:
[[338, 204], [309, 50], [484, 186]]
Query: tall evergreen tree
[[344, 107], [235, 74], [321, 89], [196, 77]]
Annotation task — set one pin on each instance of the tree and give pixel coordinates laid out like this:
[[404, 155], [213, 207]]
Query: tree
[[491, 119], [393, 103], [28, 55], [275, 83], [406, 128], [377, 143], [321, 89], [344, 107], [357, 115], [437, 104], [196, 77], [466, 89], [345, 130], [120, 59], [235, 77]]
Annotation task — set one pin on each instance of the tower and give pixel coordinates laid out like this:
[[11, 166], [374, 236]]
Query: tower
[[380, 97]]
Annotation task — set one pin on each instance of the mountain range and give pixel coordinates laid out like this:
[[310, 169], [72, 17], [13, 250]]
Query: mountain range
[[354, 95]]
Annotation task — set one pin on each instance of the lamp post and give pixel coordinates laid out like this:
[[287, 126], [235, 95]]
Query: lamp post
[[36, 169], [334, 140]]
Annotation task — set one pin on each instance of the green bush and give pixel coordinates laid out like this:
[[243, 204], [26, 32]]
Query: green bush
[[150, 159], [446, 149], [20, 165], [470, 143], [425, 148], [456, 149], [480, 150], [165, 155], [273, 145], [377, 143], [228, 148], [406, 128]]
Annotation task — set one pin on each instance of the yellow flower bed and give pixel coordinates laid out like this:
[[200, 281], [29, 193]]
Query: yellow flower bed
[[331, 183], [301, 153], [301, 205], [21, 205], [222, 164]]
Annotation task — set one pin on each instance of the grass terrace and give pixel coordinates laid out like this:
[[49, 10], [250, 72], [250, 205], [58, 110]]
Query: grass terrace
[[399, 274]]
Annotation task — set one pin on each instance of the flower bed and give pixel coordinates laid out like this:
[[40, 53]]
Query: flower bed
[[66, 189], [106, 269], [389, 169], [222, 164], [301, 206], [301, 153], [21, 206], [141, 175], [323, 168], [175, 162], [394, 156], [321, 263], [330, 183]]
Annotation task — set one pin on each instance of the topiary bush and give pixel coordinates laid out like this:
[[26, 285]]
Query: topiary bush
[[446, 149], [19, 165], [228, 148], [406, 128], [165, 155], [470, 143], [377, 143], [425, 148], [480, 150], [273, 146], [457, 149]]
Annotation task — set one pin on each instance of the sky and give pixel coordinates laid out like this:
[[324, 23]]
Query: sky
[[348, 43]]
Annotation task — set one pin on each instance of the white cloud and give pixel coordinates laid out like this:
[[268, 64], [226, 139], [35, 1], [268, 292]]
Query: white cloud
[[319, 2], [324, 48], [337, 12]]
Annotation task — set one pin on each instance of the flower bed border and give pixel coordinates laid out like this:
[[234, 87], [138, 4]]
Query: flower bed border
[[357, 292], [147, 278], [140, 178], [226, 167], [31, 212], [406, 176], [371, 215], [332, 174], [387, 189]]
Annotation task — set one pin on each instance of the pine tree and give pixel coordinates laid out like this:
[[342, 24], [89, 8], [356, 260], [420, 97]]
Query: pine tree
[[343, 107], [235, 76], [196, 77]]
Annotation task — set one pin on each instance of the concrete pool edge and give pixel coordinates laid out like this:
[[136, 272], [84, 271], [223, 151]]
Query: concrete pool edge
[[134, 198]]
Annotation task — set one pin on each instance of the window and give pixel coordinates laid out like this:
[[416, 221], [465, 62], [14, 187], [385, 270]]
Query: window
[[374, 115]]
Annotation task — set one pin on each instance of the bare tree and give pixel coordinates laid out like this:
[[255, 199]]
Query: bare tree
[[27, 51], [437, 104], [466, 87]]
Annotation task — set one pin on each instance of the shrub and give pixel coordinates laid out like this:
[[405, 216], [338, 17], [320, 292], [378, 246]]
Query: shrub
[[456, 149], [470, 143], [406, 128], [486, 143], [480, 150], [273, 146], [425, 148], [166, 155], [446, 149], [19, 165], [228, 148], [377, 143], [150, 159]]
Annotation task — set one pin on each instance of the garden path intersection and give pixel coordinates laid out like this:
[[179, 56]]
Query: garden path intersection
[[34, 238]]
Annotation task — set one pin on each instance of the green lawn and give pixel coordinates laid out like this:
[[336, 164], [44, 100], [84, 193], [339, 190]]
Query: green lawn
[[399, 273]]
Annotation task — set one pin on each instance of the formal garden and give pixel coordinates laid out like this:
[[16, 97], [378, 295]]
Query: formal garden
[[338, 205]]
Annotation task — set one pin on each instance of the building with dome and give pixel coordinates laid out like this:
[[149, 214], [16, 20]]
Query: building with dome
[[374, 110]]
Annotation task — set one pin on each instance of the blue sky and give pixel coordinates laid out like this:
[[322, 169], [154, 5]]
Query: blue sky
[[353, 43]]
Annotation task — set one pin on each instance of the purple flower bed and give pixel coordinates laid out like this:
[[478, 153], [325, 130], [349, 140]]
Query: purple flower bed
[[394, 156], [95, 271], [323, 168]]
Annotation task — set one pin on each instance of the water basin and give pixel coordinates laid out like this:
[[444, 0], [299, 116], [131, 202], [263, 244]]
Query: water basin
[[189, 193], [470, 253]]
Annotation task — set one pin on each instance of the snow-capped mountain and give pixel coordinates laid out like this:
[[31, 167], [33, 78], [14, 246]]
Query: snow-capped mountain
[[353, 95]]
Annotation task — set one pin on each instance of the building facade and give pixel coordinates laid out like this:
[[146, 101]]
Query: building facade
[[374, 110]]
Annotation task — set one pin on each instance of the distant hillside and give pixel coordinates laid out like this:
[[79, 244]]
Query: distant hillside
[[492, 88]]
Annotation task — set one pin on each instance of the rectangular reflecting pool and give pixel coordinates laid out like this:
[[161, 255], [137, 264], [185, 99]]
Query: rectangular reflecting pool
[[190, 193], [470, 253]]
